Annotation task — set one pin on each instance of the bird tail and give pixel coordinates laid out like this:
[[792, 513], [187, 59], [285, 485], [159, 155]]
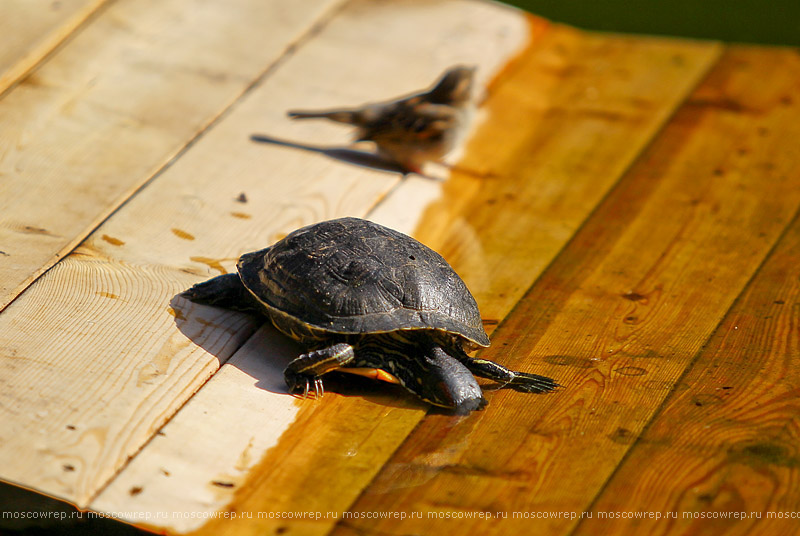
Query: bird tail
[[340, 116]]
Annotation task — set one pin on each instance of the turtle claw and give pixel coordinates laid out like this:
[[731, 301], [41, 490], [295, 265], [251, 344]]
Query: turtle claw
[[317, 389], [306, 371], [319, 392]]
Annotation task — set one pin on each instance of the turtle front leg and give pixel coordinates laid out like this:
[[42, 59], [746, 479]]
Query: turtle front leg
[[307, 369], [519, 381]]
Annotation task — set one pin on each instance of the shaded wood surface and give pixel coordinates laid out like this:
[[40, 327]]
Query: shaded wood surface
[[624, 212]]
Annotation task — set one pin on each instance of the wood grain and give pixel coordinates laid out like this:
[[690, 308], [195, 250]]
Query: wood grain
[[735, 451], [117, 358], [31, 29], [289, 188], [78, 396], [94, 123], [618, 316], [335, 447], [121, 347], [636, 206]]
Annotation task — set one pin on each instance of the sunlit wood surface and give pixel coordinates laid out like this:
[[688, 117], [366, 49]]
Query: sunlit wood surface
[[623, 209]]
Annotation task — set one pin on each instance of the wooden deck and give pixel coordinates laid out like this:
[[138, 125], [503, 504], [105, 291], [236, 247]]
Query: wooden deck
[[624, 211]]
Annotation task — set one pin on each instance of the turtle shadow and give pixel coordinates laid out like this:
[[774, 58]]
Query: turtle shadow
[[374, 391], [203, 325], [262, 352], [253, 346]]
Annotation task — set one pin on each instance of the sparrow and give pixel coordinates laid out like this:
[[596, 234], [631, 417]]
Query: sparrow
[[414, 129]]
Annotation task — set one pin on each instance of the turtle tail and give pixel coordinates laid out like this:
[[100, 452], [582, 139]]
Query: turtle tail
[[225, 291]]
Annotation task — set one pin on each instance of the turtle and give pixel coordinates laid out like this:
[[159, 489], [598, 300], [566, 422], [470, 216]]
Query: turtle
[[360, 296]]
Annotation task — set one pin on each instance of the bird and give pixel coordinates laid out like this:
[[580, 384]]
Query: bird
[[415, 129]]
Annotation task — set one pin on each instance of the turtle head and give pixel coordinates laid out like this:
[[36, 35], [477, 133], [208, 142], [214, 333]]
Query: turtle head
[[447, 383]]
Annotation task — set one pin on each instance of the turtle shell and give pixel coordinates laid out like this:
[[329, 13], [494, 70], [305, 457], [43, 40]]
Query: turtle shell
[[352, 276]]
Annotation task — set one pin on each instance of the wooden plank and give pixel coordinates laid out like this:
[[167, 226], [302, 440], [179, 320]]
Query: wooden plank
[[94, 123], [731, 466], [31, 29], [336, 446], [619, 316], [84, 394]]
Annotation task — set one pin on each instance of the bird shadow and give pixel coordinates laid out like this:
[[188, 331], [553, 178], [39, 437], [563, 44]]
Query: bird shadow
[[262, 352], [357, 157]]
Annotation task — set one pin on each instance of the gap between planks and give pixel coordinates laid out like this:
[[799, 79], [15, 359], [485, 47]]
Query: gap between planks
[[32, 44]]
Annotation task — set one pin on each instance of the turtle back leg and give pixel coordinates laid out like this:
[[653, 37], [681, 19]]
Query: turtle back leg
[[226, 291], [520, 381], [306, 370]]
